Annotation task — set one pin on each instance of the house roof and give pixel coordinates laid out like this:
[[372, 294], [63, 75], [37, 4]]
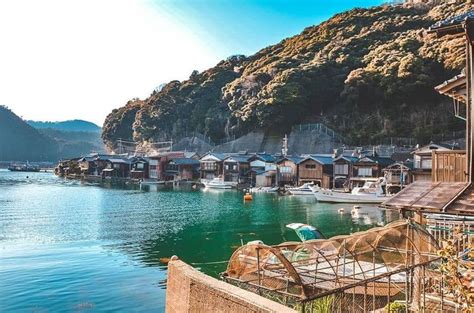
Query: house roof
[[294, 159], [432, 146], [454, 88], [121, 161], [238, 158], [321, 159], [264, 157], [383, 161], [185, 161], [217, 156], [351, 159], [401, 156], [438, 197], [452, 25]]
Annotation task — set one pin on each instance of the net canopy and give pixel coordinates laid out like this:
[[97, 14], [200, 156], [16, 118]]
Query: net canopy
[[373, 262]]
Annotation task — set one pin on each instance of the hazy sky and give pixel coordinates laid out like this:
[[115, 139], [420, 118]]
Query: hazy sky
[[62, 59]]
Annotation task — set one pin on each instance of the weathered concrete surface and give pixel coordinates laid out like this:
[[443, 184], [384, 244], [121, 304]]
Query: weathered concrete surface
[[189, 290]]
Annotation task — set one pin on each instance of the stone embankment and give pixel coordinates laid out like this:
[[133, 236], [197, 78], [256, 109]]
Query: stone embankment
[[189, 290]]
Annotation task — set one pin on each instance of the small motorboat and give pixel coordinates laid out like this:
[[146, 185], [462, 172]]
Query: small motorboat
[[303, 190], [263, 189], [218, 183], [371, 192]]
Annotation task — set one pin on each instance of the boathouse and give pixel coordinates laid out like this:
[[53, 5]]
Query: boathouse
[[236, 168], [180, 169], [139, 168], [211, 165], [287, 170], [263, 170], [317, 169], [117, 168], [368, 168], [343, 169], [397, 176]]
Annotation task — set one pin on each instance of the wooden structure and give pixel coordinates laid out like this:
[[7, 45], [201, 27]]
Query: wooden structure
[[449, 166], [317, 169], [450, 191], [263, 170], [182, 169], [423, 161], [343, 171], [287, 170], [139, 168], [211, 165], [361, 272], [236, 168], [116, 168], [397, 176], [368, 168]]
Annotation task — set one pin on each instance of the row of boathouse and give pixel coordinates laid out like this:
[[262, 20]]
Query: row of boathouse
[[344, 169]]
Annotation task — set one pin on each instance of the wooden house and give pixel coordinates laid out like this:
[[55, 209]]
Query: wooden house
[[117, 168], [422, 161], [88, 165], [343, 171], [211, 165], [182, 169], [317, 169], [236, 168], [397, 176], [287, 170], [158, 163], [263, 170], [139, 168], [368, 168]]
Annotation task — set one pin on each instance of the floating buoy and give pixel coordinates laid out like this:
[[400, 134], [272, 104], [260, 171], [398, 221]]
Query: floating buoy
[[248, 197], [341, 210]]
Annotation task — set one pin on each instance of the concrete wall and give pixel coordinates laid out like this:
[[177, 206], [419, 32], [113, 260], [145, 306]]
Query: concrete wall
[[189, 290]]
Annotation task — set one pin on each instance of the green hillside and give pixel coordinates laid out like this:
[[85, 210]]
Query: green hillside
[[367, 73]]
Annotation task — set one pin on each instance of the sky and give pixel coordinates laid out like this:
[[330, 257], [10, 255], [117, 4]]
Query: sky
[[80, 59]]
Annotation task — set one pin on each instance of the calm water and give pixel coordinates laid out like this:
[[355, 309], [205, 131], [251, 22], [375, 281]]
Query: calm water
[[68, 246]]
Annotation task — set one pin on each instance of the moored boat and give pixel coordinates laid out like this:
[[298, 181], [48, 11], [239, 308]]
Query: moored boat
[[23, 168], [303, 190], [371, 192], [218, 183], [264, 189]]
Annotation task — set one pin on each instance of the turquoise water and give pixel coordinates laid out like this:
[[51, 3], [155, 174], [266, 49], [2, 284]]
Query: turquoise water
[[70, 246]]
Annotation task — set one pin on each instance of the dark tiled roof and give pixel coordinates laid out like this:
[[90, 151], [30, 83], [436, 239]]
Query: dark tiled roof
[[265, 157], [451, 25], [186, 161], [239, 158], [322, 159]]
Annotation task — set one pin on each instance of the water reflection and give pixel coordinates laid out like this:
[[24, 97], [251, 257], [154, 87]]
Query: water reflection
[[117, 231]]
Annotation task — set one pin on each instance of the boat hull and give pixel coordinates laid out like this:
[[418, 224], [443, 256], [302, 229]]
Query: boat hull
[[348, 198], [300, 192], [217, 186]]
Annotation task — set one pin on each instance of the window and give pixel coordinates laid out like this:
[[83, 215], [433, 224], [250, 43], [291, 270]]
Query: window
[[426, 163], [209, 166], [285, 169], [140, 166], [117, 166], [341, 169], [365, 171], [152, 167], [310, 166]]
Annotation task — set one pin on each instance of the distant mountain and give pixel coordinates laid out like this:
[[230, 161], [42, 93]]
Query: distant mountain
[[19, 141], [71, 125]]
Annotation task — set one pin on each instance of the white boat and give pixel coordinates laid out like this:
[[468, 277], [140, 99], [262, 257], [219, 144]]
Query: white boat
[[263, 189], [303, 190], [218, 183], [371, 192]]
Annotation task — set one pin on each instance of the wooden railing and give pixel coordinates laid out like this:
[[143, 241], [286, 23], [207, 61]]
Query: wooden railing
[[449, 166]]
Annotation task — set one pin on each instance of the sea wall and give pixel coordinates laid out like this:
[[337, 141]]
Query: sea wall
[[189, 290]]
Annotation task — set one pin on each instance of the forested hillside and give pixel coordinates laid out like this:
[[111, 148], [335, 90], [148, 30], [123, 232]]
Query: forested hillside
[[20, 141], [367, 73], [71, 125]]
